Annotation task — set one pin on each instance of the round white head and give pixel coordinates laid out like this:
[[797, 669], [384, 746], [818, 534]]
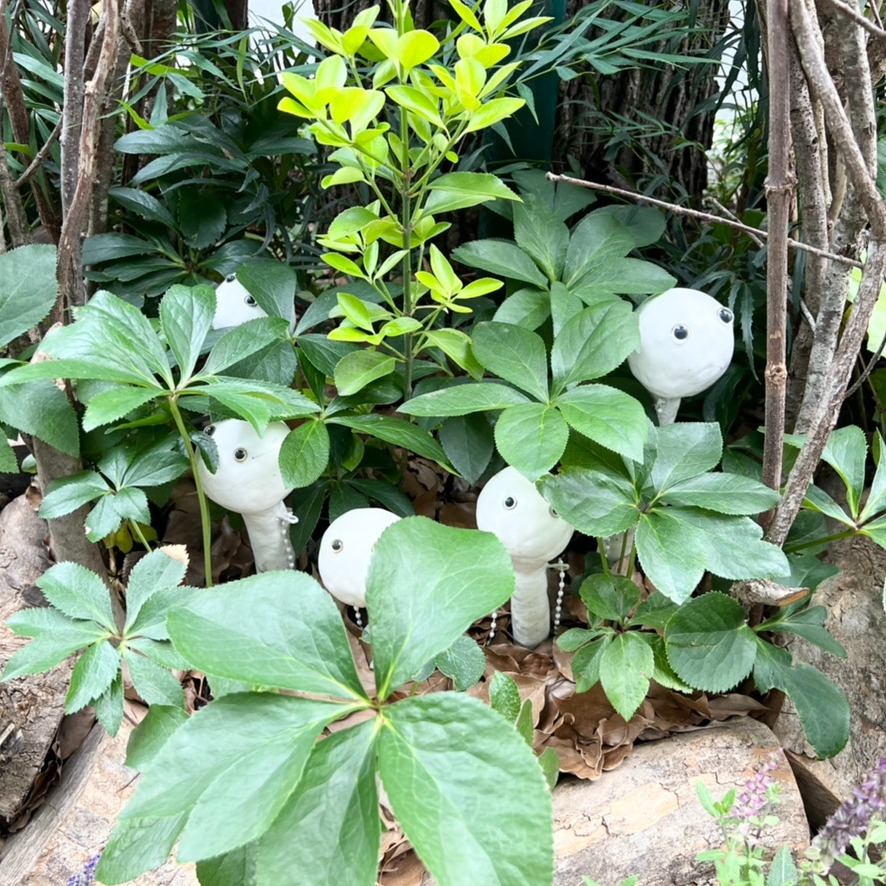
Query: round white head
[[686, 343], [512, 508], [248, 479], [345, 551], [234, 304]]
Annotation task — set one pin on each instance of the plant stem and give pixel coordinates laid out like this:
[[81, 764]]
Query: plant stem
[[848, 533], [198, 486], [137, 531]]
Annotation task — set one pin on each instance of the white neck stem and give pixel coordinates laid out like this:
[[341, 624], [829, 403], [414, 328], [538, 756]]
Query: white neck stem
[[530, 607], [269, 536]]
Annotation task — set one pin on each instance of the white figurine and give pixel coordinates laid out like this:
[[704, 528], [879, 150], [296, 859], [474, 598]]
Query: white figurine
[[512, 508], [234, 304], [345, 551], [248, 482], [686, 344]]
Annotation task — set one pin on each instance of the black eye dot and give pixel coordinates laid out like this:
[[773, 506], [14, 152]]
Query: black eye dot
[[230, 278], [726, 315], [510, 502], [681, 333], [250, 301], [240, 454], [209, 430], [553, 513], [337, 545]]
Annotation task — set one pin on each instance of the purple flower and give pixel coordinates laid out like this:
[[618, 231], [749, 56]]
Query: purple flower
[[757, 792], [851, 819], [86, 877]]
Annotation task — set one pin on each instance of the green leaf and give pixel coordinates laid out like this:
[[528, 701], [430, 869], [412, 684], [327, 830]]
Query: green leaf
[[531, 437], [821, 706], [709, 644], [395, 431], [725, 493], [236, 866], [818, 500], [47, 650], [544, 237], [304, 454], [549, 761], [734, 545], [626, 668], [440, 755], [876, 530], [673, 553], [357, 369], [458, 190], [846, 452], [608, 416], [290, 635], [504, 696], [806, 623], [595, 502], [462, 400], [243, 341], [186, 317], [502, 257], [155, 684], [220, 780], [463, 661], [593, 343], [468, 443], [684, 450], [78, 593], [609, 596], [69, 493], [151, 734], [28, 289], [586, 663], [515, 354], [524, 725], [491, 112], [115, 403], [109, 706], [8, 459], [330, 825], [596, 241], [39, 408], [876, 500], [92, 675], [419, 606], [525, 307]]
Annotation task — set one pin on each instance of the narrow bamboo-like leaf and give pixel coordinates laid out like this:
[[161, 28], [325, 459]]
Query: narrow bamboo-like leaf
[[424, 743], [304, 454], [463, 400], [607, 416], [532, 438], [330, 824], [92, 675], [418, 607], [709, 644], [514, 354], [290, 636], [595, 502]]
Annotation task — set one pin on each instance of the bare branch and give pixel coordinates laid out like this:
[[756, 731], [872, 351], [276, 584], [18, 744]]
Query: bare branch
[[858, 18], [34, 165], [703, 216]]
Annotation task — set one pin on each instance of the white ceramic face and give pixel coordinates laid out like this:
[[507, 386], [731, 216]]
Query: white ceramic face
[[233, 304], [345, 551], [512, 508], [686, 343], [248, 479]]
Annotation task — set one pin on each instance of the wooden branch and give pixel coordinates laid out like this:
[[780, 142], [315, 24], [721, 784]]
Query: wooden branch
[[70, 252], [779, 197], [72, 114], [37, 162], [703, 216], [16, 217], [855, 16]]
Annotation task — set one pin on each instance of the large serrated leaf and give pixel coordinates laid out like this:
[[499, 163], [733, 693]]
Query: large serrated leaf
[[607, 416], [290, 635], [725, 493], [28, 289], [186, 317], [78, 592], [531, 437], [673, 553], [442, 760], [304, 454], [596, 502], [427, 583], [515, 354], [626, 667], [463, 400], [709, 643], [684, 450]]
